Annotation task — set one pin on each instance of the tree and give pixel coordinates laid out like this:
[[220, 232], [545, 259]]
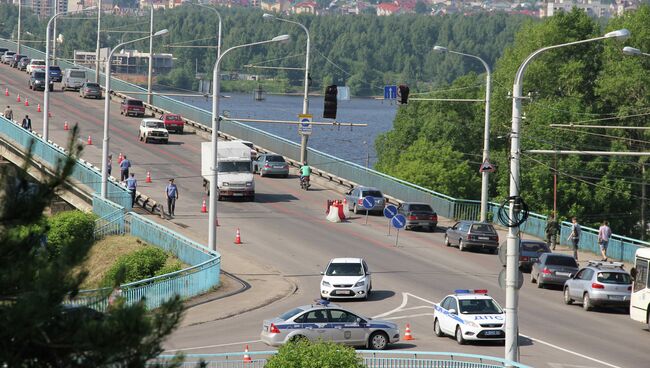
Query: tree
[[306, 354], [38, 328]]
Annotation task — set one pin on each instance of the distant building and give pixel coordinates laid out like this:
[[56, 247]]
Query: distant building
[[305, 7], [387, 9], [276, 6], [128, 61], [593, 8], [45, 8]]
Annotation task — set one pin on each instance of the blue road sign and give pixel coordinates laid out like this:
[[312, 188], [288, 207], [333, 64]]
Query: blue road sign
[[390, 92], [390, 211], [398, 222], [368, 202]]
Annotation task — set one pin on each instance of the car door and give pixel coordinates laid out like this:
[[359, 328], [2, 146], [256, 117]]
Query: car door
[[445, 319], [347, 328], [366, 270], [582, 282], [452, 234], [257, 165], [314, 325]]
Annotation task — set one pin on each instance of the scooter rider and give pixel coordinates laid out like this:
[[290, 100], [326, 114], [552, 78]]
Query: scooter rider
[[305, 172]]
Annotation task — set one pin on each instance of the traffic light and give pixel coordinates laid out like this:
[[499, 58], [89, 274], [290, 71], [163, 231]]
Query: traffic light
[[329, 111], [403, 93]]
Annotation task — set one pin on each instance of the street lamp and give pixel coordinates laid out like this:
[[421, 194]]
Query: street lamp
[[512, 255], [627, 50], [219, 29], [214, 190], [20, 8], [486, 129], [46, 97], [107, 106], [99, 26], [305, 103]]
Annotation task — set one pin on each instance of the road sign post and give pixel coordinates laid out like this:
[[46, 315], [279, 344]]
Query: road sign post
[[368, 203], [398, 221], [389, 212], [304, 128]]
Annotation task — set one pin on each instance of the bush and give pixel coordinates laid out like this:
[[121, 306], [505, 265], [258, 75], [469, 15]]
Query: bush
[[170, 267], [70, 228], [305, 354], [139, 265]]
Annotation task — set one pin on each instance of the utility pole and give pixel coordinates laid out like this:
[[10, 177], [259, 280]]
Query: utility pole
[[643, 223], [149, 77], [99, 26], [20, 8]]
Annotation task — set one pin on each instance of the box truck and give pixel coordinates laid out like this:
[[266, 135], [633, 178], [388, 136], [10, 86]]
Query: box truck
[[234, 174]]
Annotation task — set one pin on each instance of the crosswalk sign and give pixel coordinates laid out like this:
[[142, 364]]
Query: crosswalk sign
[[486, 166]]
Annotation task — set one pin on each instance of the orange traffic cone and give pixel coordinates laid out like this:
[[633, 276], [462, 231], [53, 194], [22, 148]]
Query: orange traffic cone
[[65, 126], [247, 358], [6, 91], [148, 179], [18, 98], [238, 237], [120, 158], [204, 208], [38, 107], [26, 102], [90, 141], [407, 333]]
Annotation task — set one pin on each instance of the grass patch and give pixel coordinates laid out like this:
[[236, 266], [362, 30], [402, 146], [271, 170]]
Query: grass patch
[[105, 252]]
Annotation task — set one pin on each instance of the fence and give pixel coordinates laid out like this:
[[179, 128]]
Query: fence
[[371, 359], [620, 247]]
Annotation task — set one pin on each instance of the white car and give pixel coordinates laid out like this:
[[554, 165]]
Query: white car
[[469, 315], [35, 64], [153, 129], [346, 278]]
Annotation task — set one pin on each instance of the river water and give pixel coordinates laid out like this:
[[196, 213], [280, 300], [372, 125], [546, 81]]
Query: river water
[[352, 144]]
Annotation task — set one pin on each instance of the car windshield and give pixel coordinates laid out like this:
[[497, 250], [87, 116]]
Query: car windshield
[[344, 269], [77, 74], [134, 103], [289, 314], [38, 62], [372, 193], [535, 247], [614, 278], [155, 124], [55, 69], [173, 117], [561, 261], [420, 207], [482, 228], [275, 158], [39, 75], [92, 85], [479, 306], [229, 166]]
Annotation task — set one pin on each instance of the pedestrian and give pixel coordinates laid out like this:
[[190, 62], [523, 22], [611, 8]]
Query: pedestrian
[[109, 164], [9, 113], [552, 230], [27, 123], [604, 233], [124, 168], [171, 191], [574, 236], [132, 185]]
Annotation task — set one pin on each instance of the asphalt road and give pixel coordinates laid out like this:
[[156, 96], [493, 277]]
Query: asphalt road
[[285, 231]]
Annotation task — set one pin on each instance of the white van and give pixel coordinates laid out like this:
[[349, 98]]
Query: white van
[[73, 79]]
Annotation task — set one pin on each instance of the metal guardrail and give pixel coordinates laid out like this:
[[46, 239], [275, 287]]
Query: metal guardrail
[[350, 174], [371, 359]]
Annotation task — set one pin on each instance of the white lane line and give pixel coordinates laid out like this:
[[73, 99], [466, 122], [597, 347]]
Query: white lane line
[[404, 301], [213, 346], [414, 308], [424, 300], [570, 352], [410, 316]]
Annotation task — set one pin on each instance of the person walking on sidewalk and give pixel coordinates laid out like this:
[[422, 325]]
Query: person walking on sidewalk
[[124, 168], [574, 236], [9, 113], [109, 164], [132, 185], [604, 233], [552, 230], [171, 191], [27, 123]]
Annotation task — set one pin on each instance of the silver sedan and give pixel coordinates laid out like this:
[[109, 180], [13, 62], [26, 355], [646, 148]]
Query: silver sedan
[[329, 322]]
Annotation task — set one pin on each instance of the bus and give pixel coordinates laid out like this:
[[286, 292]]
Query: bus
[[640, 300]]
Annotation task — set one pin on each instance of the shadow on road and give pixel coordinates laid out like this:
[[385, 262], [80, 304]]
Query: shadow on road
[[274, 197]]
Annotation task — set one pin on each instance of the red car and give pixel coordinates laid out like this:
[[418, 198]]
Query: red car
[[173, 123], [132, 107]]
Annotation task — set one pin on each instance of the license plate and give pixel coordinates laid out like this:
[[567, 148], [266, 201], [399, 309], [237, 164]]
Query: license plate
[[345, 292], [533, 259], [277, 166], [563, 274], [616, 297], [492, 333], [483, 238], [238, 194]]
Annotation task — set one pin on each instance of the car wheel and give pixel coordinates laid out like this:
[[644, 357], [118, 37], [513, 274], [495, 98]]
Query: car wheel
[[586, 303], [355, 210], [540, 285], [459, 336], [378, 341], [436, 328], [447, 243], [532, 278], [140, 138], [461, 246], [567, 297]]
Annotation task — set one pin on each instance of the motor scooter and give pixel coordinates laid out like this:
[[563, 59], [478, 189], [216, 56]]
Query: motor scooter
[[304, 182]]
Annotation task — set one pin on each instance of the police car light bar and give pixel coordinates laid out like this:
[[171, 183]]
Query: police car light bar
[[475, 291], [322, 302]]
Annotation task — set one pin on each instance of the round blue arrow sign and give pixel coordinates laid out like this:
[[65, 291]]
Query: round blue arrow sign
[[398, 222], [305, 122], [390, 211], [368, 202]]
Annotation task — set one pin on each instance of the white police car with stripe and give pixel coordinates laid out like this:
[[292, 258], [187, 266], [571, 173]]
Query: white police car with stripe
[[329, 322], [469, 315]]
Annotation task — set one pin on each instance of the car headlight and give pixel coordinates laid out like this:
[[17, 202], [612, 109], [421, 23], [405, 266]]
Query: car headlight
[[472, 324], [165, 134], [325, 283], [37, 82], [225, 184], [249, 183], [360, 283]]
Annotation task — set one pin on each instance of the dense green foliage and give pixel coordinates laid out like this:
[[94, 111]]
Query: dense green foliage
[[592, 83], [305, 354], [139, 265], [37, 329], [70, 228], [364, 52]]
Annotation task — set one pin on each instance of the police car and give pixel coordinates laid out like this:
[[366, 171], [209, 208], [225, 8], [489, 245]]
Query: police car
[[329, 322], [469, 315]]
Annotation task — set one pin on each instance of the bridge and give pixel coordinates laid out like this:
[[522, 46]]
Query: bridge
[[287, 243]]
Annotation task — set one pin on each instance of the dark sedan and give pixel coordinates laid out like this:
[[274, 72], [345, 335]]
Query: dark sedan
[[22, 64], [553, 269], [418, 215], [472, 234], [268, 164], [529, 253]]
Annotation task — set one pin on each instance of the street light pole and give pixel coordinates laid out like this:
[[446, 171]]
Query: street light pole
[[20, 8], [214, 189], [56, 10], [97, 47], [304, 139], [512, 255], [149, 77], [486, 129], [46, 97], [107, 107], [219, 29]]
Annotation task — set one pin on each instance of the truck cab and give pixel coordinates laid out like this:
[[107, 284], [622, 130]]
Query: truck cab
[[234, 174]]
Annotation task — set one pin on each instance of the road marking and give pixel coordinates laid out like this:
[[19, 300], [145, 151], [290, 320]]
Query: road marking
[[409, 316], [570, 351], [213, 346], [562, 365], [404, 301]]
